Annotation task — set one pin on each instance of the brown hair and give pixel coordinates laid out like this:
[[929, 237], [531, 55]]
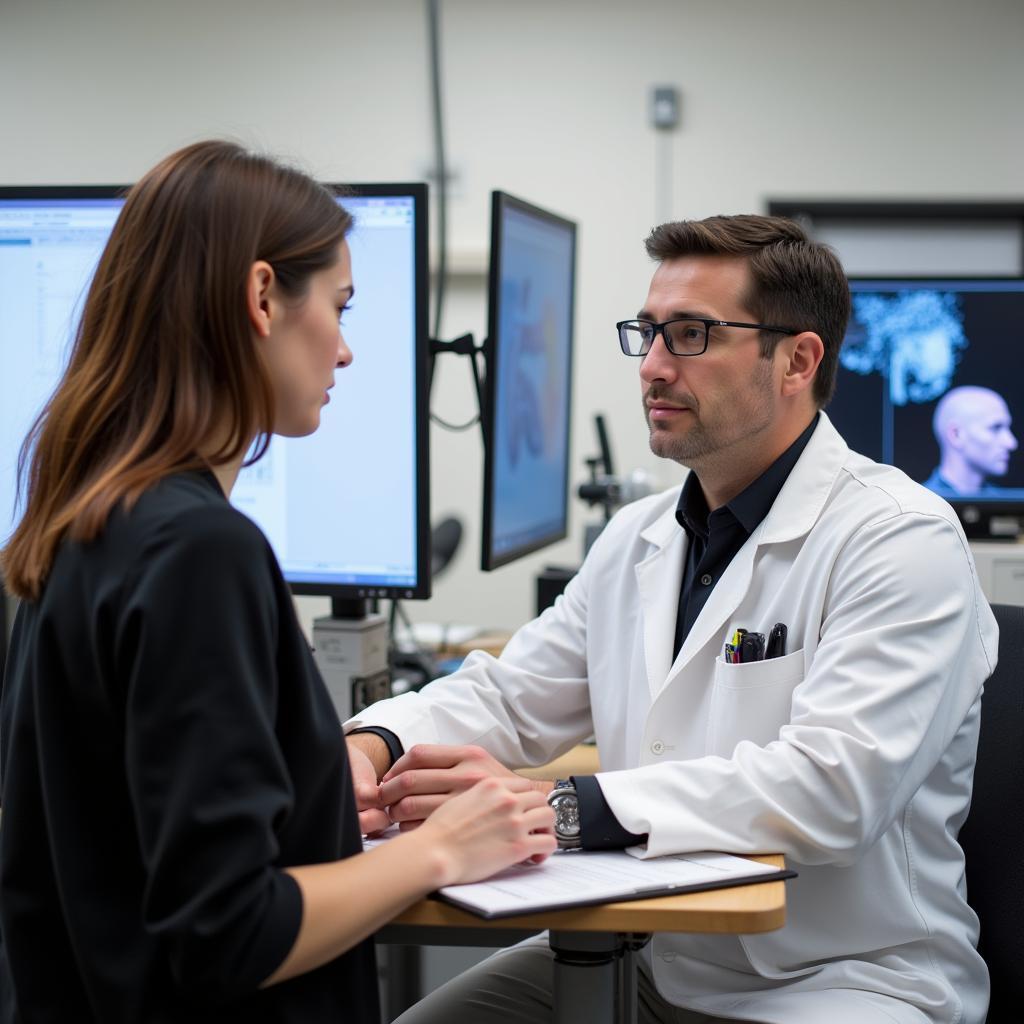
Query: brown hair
[[794, 281], [164, 355]]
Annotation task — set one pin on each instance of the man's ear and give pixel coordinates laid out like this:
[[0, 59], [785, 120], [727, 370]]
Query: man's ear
[[258, 287], [802, 354]]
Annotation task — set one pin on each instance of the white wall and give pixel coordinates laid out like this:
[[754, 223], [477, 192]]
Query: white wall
[[546, 99]]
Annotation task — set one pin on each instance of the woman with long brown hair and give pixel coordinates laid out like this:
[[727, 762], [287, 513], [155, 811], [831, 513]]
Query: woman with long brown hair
[[179, 839]]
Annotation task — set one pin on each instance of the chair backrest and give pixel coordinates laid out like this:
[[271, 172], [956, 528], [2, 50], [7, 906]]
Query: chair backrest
[[993, 835]]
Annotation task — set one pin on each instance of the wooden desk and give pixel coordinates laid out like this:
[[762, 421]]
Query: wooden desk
[[581, 760], [595, 972], [744, 910]]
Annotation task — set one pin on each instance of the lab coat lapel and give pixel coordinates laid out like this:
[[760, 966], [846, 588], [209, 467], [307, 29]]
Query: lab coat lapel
[[659, 577]]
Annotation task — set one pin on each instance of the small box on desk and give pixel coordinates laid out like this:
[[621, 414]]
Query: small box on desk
[[550, 583]]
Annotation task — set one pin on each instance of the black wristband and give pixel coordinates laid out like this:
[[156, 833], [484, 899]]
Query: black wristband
[[395, 747]]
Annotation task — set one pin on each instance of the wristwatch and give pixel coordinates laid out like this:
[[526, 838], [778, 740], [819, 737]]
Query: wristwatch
[[566, 803]]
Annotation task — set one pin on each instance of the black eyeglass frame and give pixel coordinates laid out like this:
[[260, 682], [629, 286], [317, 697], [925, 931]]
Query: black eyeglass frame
[[708, 324]]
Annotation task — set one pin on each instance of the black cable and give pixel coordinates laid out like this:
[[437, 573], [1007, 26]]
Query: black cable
[[464, 346], [456, 427], [414, 656], [441, 168]]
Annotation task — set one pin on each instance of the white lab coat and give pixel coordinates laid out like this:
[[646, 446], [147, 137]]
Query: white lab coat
[[853, 754]]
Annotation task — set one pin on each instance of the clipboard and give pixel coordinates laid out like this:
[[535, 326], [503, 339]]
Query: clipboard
[[619, 877]]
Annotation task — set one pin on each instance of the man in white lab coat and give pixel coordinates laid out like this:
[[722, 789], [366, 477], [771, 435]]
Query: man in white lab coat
[[849, 748]]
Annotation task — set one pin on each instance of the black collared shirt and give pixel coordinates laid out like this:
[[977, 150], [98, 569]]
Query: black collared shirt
[[716, 536]]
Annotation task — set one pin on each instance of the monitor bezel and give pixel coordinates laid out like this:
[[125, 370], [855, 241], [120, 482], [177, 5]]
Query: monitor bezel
[[422, 588], [500, 201], [976, 522], [59, 192]]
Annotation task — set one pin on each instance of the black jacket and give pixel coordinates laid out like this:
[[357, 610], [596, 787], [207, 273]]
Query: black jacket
[[167, 746]]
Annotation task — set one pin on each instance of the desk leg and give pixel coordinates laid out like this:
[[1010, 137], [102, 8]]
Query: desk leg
[[595, 977], [403, 979]]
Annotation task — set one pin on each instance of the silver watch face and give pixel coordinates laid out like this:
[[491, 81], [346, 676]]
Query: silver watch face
[[567, 815]]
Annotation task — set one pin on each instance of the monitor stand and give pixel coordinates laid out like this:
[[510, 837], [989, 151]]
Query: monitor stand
[[351, 650]]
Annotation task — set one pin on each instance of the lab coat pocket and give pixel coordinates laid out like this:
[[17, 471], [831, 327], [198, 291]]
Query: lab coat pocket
[[752, 701]]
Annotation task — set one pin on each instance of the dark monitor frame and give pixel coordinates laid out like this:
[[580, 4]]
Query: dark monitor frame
[[981, 520], [347, 592], [500, 201], [64, 191]]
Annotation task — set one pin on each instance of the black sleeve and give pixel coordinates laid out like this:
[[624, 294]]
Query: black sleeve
[[395, 748], [599, 828], [197, 649]]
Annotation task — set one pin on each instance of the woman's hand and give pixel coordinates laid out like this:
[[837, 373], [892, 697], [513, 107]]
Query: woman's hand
[[496, 823]]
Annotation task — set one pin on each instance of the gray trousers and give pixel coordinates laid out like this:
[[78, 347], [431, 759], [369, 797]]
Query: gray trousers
[[514, 987]]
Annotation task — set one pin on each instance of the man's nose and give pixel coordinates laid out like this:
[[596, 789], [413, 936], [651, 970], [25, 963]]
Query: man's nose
[[659, 363]]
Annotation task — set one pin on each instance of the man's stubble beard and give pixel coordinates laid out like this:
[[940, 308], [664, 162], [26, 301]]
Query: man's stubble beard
[[699, 445]]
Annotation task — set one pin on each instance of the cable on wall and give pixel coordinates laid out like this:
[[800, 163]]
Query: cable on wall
[[440, 161], [441, 190]]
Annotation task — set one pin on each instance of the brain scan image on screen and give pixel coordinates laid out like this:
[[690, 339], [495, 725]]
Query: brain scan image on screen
[[931, 380], [914, 338], [973, 429]]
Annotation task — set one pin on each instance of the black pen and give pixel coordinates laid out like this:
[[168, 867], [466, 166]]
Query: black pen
[[777, 641]]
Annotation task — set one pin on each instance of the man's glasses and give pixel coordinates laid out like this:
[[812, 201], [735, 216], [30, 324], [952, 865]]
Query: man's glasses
[[684, 337]]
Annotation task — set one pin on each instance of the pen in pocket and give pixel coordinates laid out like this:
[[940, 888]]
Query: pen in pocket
[[777, 641], [745, 646]]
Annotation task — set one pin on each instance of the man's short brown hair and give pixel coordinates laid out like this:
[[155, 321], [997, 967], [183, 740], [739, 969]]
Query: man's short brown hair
[[794, 281]]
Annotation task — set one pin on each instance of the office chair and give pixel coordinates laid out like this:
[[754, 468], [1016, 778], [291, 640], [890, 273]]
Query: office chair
[[993, 835]]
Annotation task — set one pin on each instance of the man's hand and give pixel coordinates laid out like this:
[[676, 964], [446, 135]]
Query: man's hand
[[373, 816], [428, 775]]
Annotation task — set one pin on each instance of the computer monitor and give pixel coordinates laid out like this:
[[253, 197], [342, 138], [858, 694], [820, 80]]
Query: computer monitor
[[930, 380], [346, 509], [527, 407]]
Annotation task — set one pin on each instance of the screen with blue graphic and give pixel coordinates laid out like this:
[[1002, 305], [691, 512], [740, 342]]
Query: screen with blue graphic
[[930, 380], [346, 509], [529, 380]]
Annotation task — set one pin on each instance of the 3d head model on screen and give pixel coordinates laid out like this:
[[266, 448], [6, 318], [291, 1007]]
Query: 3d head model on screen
[[972, 428]]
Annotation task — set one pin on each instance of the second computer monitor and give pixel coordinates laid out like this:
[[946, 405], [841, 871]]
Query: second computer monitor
[[529, 380]]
